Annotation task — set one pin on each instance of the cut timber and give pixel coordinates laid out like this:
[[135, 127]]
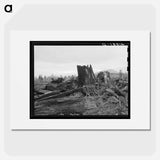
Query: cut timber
[[47, 95], [119, 92], [115, 92], [52, 95], [85, 75]]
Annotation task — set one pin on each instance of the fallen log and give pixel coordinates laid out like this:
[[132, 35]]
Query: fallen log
[[111, 92], [38, 92], [63, 94], [47, 94], [42, 92], [118, 92]]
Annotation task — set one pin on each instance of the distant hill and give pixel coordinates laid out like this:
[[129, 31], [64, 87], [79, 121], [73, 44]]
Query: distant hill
[[112, 71]]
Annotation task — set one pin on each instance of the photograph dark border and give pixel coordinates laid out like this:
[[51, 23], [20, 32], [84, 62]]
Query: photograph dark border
[[77, 43]]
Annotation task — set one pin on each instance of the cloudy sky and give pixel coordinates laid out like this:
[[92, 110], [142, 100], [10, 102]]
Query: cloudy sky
[[62, 60]]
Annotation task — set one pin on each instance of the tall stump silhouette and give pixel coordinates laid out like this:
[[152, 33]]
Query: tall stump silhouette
[[85, 75]]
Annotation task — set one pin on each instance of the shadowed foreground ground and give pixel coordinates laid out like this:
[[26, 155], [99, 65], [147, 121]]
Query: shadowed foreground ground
[[79, 105]]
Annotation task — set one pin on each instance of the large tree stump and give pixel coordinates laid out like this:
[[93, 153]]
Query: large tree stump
[[85, 75]]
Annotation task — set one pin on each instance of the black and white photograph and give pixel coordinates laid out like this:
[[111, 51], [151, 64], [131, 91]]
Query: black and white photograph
[[80, 79]]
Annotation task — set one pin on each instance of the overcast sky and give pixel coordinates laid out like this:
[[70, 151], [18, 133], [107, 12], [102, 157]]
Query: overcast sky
[[62, 60]]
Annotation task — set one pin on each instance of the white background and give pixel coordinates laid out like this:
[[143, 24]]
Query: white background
[[140, 80], [86, 145]]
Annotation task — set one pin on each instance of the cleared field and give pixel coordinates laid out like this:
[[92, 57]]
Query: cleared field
[[97, 101]]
